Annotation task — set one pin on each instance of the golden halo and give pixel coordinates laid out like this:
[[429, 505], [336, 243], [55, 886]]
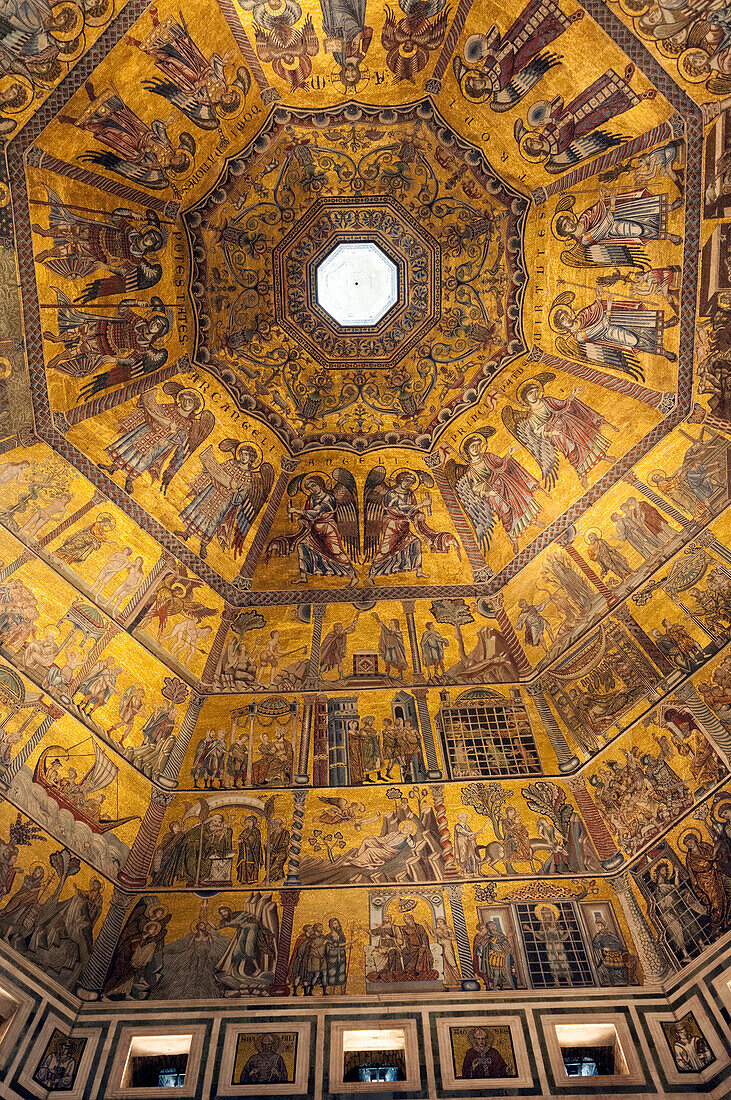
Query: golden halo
[[34, 865], [686, 55], [251, 447], [532, 158], [74, 50], [723, 803], [656, 869], [14, 80], [106, 518], [259, 1039], [72, 19], [546, 905], [689, 832], [470, 439], [668, 48], [103, 12], [554, 219], [631, 10], [552, 319], [399, 472], [189, 393]]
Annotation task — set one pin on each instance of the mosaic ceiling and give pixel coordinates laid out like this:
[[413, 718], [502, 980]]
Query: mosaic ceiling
[[456, 535]]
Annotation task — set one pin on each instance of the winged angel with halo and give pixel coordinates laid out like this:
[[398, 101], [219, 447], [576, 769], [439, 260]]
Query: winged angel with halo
[[608, 332], [159, 439], [549, 427], [328, 542], [488, 486], [227, 496], [329, 534]]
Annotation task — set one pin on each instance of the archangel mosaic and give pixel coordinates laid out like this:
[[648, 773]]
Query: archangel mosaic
[[365, 471]]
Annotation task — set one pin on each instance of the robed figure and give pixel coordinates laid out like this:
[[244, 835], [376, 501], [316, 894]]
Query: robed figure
[[141, 153], [564, 134], [504, 68], [549, 427], [395, 527], [489, 486], [160, 438], [329, 535], [227, 496]]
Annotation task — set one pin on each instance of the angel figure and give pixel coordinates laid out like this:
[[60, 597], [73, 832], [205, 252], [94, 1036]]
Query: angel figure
[[409, 41], [160, 438], [329, 534], [196, 86], [610, 232], [176, 596], [227, 496], [288, 50], [552, 426], [347, 37], [141, 153], [127, 343], [488, 486], [504, 68], [122, 242], [342, 811], [564, 134], [609, 332], [395, 524]]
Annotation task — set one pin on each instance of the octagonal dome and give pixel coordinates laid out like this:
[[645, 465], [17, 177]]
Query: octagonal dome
[[357, 283]]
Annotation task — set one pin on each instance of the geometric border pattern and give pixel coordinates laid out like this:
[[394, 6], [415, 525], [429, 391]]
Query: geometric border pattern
[[16, 152]]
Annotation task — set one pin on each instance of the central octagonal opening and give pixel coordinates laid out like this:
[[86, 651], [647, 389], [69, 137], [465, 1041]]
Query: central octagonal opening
[[357, 283]]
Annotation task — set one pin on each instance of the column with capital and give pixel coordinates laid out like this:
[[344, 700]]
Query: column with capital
[[90, 985], [712, 725], [91, 658], [631, 478], [466, 964], [434, 83], [8, 774], [213, 660], [480, 569], [450, 867], [160, 570], [599, 834], [567, 760], [433, 771], [566, 540], [633, 628], [279, 987], [169, 776], [708, 539], [302, 777], [313, 665], [506, 628], [264, 526], [25, 557], [133, 875], [409, 607], [619, 153], [654, 963], [45, 540], [295, 838]]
